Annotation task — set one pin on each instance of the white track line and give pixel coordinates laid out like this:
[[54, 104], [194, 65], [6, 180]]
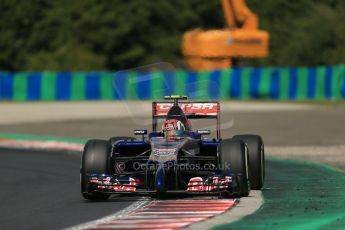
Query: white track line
[[41, 145], [246, 206], [123, 213], [149, 216]]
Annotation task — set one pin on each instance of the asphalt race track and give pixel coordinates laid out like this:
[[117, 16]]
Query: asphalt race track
[[40, 190], [319, 126]]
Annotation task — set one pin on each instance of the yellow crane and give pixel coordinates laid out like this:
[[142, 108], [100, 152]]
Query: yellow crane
[[215, 49]]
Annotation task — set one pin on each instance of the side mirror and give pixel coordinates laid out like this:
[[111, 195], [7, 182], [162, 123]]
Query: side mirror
[[142, 132], [203, 131]]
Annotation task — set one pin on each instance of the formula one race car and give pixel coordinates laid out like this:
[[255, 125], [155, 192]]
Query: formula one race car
[[175, 159]]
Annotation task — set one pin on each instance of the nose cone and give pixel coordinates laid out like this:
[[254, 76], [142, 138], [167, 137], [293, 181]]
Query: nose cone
[[160, 179]]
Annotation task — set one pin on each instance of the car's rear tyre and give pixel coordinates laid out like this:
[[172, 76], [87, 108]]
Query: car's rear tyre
[[256, 153], [233, 153], [96, 159]]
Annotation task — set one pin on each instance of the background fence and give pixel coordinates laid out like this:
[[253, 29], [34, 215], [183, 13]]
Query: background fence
[[305, 83]]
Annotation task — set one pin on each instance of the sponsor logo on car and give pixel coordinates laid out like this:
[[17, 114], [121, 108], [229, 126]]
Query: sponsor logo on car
[[209, 108]]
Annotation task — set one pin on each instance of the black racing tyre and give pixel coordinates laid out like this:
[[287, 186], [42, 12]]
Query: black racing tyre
[[256, 153], [96, 159], [234, 153], [112, 140]]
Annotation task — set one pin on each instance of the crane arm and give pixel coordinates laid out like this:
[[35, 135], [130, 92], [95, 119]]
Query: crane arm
[[238, 15]]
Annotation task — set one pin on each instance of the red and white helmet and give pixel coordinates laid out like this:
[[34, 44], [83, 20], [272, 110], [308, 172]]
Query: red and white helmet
[[173, 128]]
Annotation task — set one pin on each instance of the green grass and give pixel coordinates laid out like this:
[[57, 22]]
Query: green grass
[[298, 195]]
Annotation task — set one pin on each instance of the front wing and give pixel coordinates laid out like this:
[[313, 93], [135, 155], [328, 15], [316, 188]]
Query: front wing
[[215, 184]]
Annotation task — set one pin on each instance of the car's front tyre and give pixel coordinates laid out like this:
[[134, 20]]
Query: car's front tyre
[[234, 153], [95, 160], [256, 153]]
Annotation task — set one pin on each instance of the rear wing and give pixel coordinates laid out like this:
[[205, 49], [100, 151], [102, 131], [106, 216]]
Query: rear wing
[[195, 110], [192, 110]]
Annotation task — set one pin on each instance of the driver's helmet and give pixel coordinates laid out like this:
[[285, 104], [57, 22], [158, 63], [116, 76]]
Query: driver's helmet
[[173, 128]]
